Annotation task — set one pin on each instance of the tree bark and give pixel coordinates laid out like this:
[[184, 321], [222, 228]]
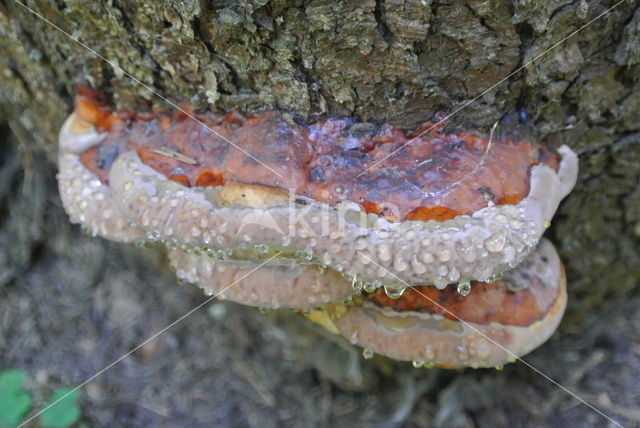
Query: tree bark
[[394, 61]]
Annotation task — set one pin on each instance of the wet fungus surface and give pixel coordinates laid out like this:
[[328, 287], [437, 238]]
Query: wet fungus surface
[[423, 246]]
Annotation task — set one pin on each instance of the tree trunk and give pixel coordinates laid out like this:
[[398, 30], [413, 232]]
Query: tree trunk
[[74, 304]]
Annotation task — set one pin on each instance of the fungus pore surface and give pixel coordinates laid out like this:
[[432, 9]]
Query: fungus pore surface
[[421, 246]]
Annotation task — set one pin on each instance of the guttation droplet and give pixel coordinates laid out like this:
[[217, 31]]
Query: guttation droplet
[[367, 353], [496, 277], [394, 292], [357, 284], [369, 287], [261, 249], [418, 363], [464, 288]]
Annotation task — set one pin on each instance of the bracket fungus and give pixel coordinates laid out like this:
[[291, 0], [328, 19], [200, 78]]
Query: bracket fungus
[[423, 247]]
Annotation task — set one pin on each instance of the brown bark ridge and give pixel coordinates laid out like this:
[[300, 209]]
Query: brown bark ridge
[[72, 304]]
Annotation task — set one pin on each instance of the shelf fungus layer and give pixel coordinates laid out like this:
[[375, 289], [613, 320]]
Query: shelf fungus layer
[[494, 324], [279, 283], [87, 199], [467, 247], [299, 215]]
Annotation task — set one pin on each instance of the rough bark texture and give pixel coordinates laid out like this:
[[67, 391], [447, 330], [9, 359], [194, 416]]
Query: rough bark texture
[[72, 304]]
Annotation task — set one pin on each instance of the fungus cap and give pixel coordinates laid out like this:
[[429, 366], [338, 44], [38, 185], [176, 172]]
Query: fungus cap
[[448, 209]]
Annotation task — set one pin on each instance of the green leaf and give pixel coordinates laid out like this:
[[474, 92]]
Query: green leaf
[[14, 401], [65, 412]]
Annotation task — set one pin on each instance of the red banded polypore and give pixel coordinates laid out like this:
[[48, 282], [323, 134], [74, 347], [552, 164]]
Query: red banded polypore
[[459, 209]]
